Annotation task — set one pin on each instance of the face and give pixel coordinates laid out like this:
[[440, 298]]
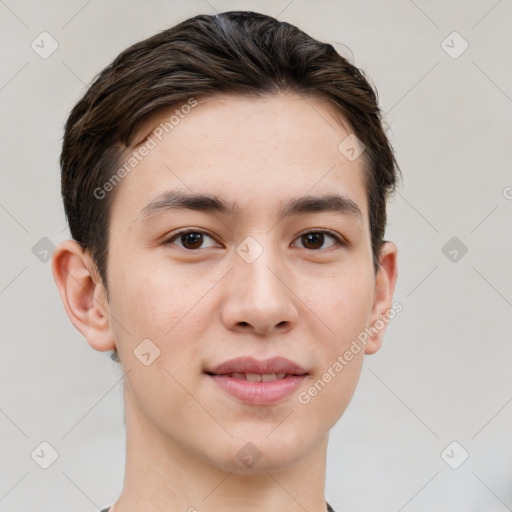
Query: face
[[257, 273]]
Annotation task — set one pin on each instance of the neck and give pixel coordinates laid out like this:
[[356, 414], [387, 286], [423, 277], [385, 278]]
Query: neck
[[162, 475]]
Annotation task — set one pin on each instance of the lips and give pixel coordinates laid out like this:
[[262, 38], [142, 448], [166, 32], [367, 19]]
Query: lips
[[257, 377], [258, 382], [251, 366]]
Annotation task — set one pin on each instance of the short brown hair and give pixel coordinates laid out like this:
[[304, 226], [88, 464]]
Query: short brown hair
[[238, 52]]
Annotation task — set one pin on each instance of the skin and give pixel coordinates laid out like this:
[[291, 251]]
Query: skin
[[206, 305]]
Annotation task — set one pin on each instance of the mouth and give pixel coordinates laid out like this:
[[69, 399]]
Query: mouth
[[250, 366], [254, 377], [258, 382]]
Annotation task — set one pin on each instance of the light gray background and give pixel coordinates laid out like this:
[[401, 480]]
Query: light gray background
[[444, 373]]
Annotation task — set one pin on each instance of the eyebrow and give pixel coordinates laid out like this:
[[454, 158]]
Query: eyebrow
[[177, 200]]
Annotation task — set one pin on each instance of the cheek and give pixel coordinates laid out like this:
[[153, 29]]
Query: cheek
[[343, 304], [154, 304], [165, 306], [152, 299], [342, 301]]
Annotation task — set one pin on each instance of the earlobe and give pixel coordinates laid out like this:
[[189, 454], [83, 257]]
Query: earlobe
[[385, 282], [83, 294]]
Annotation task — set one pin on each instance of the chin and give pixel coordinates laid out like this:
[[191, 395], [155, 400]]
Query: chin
[[258, 452]]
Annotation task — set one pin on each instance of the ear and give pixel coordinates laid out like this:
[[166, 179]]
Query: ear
[[83, 294], [385, 281]]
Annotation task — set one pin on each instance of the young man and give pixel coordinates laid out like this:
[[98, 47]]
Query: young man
[[225, 183]]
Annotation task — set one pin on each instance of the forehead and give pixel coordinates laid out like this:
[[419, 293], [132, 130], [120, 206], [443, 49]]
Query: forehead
[[244, 150]]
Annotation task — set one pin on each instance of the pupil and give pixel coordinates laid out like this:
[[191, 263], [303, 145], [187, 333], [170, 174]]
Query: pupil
[[312, 237], [192, 239]]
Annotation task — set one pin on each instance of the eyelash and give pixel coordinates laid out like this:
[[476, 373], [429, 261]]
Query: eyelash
[[339, 241]]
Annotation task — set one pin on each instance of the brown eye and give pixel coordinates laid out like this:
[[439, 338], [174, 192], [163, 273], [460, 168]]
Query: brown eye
[[190, 240], [315, 240]]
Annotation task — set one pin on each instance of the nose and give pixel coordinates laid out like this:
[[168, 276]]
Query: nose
[[259, 297]]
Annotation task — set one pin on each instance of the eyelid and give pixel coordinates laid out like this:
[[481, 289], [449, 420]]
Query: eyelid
[[170, 239], [340, 240]]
